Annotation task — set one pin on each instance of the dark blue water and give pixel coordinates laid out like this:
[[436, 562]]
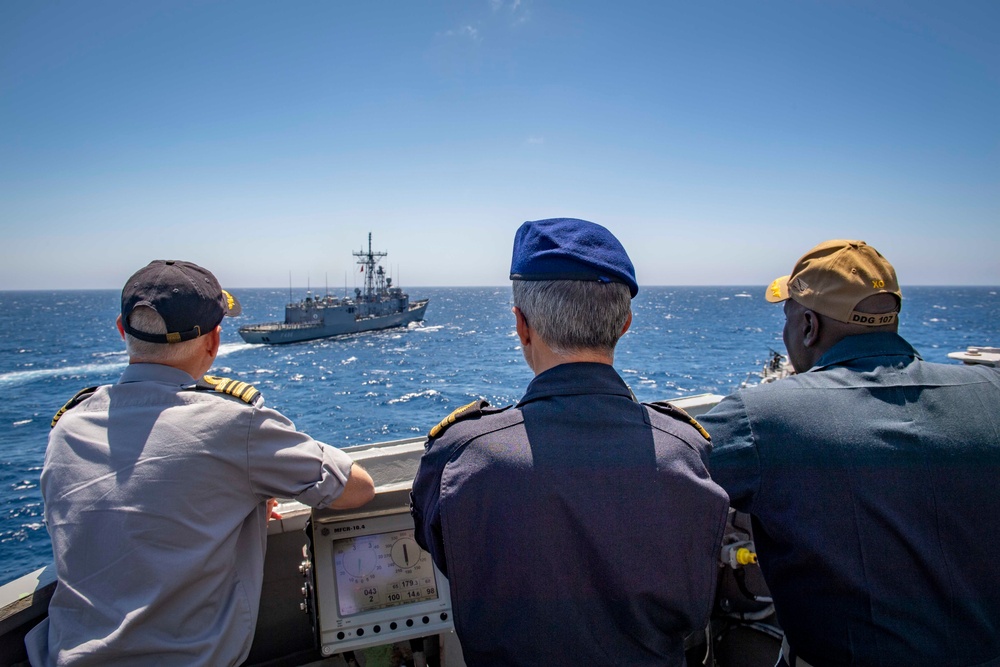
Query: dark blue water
[[396, 384]]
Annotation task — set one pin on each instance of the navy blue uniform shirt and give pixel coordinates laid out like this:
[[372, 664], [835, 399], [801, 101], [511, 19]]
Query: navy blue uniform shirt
[[576, 528], [873, 480]]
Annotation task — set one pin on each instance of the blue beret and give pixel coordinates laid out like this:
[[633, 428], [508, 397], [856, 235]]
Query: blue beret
[[570, 249]]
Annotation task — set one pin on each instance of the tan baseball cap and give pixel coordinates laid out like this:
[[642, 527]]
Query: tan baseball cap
[[834, 277]]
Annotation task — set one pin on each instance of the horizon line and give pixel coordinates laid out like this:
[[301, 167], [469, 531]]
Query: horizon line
[[507, 285]]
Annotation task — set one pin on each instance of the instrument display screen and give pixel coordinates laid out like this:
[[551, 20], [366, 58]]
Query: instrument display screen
[[381, 570]]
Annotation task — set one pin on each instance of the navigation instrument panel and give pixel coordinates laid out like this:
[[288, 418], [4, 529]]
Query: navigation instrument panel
[[381, 570], [374, 584]]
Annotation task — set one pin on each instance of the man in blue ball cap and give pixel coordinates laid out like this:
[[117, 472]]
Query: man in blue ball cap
[[158, 490], [579, 526]]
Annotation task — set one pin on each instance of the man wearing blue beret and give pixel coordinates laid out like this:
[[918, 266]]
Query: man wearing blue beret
[[579, 526]]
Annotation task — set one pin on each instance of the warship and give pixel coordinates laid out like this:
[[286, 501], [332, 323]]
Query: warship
[[379, 306]]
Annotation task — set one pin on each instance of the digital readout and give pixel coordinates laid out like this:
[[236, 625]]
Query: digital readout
[[381, 570]]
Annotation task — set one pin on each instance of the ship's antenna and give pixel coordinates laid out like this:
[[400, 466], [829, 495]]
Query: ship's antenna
[[289, 287], [368, 261], [326, 280]]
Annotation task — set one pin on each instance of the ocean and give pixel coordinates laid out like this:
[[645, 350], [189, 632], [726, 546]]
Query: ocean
[[399, 383]]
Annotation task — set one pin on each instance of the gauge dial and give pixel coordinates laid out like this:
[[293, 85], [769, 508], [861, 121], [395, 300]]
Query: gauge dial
[[357, 558], [406, 552]]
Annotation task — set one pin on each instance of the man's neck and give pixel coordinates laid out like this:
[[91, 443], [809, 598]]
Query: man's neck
[[549, 359], [192, 369]]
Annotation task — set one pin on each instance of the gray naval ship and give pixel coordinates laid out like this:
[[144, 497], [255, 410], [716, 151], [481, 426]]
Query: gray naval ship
[[379, 306]]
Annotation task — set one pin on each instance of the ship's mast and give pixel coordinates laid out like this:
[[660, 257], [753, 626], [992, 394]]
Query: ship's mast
[[368, 261]]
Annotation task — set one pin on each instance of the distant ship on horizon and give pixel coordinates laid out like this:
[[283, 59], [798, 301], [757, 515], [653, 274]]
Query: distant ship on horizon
[[378, 306]]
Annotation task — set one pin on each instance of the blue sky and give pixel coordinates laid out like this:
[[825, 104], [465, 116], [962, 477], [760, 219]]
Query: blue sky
[[719, 141]]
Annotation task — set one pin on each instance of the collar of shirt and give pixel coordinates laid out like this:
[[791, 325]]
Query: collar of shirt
[[155, 373], [879, 344], [574, 379]]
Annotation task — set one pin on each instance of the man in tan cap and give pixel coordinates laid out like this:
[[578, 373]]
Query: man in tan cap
[[872, 477]]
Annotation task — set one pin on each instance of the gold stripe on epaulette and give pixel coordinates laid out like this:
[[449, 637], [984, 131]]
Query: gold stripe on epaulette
[[59, 415], [241, 390], [701, 429], [668, 408], [78, 397], [450, 419]]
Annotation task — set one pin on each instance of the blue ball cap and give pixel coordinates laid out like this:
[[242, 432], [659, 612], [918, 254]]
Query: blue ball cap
[[185, 295], [570, 249]]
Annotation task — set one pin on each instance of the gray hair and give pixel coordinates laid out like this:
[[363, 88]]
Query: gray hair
[[148, 320], [574, 315]]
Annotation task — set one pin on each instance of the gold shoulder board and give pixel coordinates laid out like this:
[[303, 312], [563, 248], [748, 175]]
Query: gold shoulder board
[[241, 390], [679, 414], [79, 398], [473, 409]]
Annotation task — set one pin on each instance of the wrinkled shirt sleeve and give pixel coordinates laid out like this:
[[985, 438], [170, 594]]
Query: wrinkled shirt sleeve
[[735, 461], [285, 463]]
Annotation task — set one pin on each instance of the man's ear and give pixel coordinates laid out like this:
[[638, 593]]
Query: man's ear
[[121, 329], [628, 323], [521, 324], [811, 326], [212, 341]]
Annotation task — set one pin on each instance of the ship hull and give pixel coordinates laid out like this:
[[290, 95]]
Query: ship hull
[[338, 323]]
